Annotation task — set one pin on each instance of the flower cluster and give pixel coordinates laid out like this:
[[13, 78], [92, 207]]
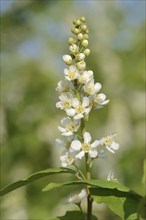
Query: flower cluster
[[78, 96]]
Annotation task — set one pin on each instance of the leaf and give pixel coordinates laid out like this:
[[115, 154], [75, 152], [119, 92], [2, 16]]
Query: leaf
[[120, 199], [32, 178], [72, 215], [124, 204]]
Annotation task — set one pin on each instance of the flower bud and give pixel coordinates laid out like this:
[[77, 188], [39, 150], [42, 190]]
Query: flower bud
[[71, 40], [67, 59], [80, 36], [73, 49], [86, 52], [83, 19], [76, 31], [85, 43], [78, 22], [84, 27], [80, 56], [81, 65]]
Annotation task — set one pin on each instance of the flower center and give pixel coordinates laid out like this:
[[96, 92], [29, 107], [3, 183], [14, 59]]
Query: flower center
[[71, 127], [70, 159], [67, 104], [80, 109], [72, 75], [107, 141], [86, 147]]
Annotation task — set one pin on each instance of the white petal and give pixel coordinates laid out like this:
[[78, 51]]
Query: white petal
[[97, 87], [65, 121], [82, 194], [64, 164], [66, 71], [72, 68], [70, 112], [58, 105], [76, 145], [93, 154], [101, 96], [63, 97], [105, 102], [114, 146], [87, 110], [78, 116], [86, 101], [109, 149], [95, 144], [69, 133], [61, 129], [75, 102], [80, 155], [87, 137]]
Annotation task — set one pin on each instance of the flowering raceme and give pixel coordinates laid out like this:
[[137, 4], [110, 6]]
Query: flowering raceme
[[78, 96]]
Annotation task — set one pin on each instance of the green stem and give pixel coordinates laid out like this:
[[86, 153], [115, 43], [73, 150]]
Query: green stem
[[89, 198], [88, 177]]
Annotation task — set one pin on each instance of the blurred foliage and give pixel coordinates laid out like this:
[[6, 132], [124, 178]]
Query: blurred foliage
[[33, 39]]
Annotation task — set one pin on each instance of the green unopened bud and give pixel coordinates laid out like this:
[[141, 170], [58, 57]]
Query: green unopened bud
[[78, 22], [83, 19], [80, 36], [85, 43], [84, 27], [71, 40], [86, 52], [76, 31], [81, 65], [80, 56], [86, 36]]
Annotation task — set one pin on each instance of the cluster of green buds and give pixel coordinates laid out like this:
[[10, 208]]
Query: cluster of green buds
[[79, 45]]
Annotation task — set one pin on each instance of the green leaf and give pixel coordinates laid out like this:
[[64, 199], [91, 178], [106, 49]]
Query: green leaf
[[124, 204], [120, 199], [32, 178], [72, 215]]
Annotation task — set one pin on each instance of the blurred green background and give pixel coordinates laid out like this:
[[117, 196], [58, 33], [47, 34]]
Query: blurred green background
[[34, 37]]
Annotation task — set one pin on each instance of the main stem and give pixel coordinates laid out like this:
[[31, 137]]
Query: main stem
[[89, 198], [88, 177]]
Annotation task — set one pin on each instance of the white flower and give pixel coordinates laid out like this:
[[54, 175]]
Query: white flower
[[74, 49], [77, 198], [65, 101], [111, 145], [67, 59], [67, 158], [71, 73], [81, 65], [69, 126], [85, 77], [64, 86], [85, 147], [91, 88], [79, 110], [100, 100]]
